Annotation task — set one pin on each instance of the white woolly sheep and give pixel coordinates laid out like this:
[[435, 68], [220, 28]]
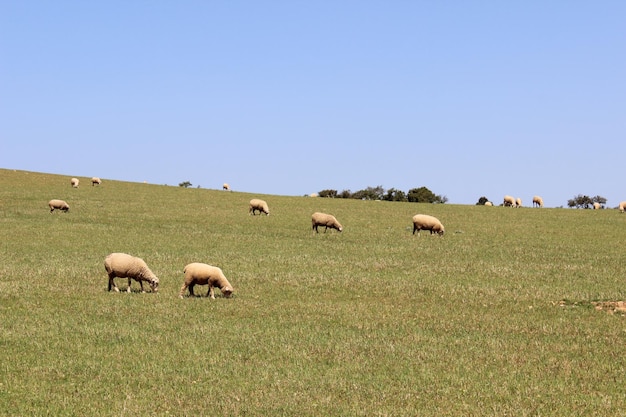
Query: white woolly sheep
[[122, 265], [622, 206], [202, 274], [537, 201], [74, 182], [489, 203], [59, 205], [426, 222], [509, 201], [326, 220], [226, 187], [597, 206], [518, 202], [95, 181], [256, 204]]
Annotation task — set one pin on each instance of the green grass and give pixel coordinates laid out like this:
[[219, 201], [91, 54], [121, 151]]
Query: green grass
[[495, 318]]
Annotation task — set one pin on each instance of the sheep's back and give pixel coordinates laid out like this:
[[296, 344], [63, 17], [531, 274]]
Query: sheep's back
[[57, 203], [323, 218], [426, 220], [200, 272], [124, 265]]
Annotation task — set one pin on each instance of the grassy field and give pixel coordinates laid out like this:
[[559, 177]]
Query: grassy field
[[495, 318]]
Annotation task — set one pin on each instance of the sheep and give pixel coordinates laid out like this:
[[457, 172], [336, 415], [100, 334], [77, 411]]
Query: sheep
[[426, 222], [622, 206], [74, 182], [518, 202], [95, 181], [59, 205], [256, 204], [597, 206], [508, 201], [122, 265], [537, 201], [226, 187], [326, 220], [489, 203], [203, 274]]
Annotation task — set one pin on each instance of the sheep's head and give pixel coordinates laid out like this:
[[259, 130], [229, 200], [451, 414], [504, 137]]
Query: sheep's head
[[154, 284], [227, 291]]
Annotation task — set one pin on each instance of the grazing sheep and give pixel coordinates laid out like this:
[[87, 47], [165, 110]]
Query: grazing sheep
[[622, 206], [426, 222], [489, 203], [121, 265], [95, 181], [256, 204], [203, 274], [326, 220], [509, 201], [226, 187], [518, 202], [74, 182], [537, 201], [597, 206], [59, 205]]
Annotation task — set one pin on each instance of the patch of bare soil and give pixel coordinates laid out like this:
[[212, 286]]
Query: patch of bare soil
[[610, 307]]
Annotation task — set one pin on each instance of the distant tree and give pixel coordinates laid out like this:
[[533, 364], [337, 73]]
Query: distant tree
[[424, 195], [482, 201], [420, 195], [185, 184], [580, 201], [377, 192], [328, 193], [345, 194], [369, 193], [394, 195], [599, 199]]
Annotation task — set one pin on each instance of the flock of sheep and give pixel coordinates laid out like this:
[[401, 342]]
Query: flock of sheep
[[121, 265], [510, 201], [538, 202]]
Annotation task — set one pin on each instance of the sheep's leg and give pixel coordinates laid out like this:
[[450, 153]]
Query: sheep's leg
[[141, 285], [191, 290], [112, 284], [128, 289], [182, 290], [211, 292]]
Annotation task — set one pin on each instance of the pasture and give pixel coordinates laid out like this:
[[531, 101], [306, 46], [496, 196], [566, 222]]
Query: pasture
[[495, 318]]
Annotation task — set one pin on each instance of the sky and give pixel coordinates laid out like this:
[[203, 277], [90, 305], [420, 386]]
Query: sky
[[466, 98]]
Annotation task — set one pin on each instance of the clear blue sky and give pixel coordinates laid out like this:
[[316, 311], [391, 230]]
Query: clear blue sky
[[467, 98]]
